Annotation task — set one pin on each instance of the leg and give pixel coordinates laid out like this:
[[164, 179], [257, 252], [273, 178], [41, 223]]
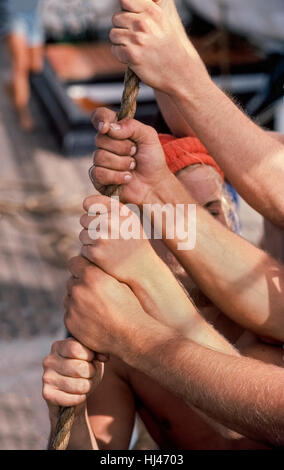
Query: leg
[[36, 59], [19, 51]]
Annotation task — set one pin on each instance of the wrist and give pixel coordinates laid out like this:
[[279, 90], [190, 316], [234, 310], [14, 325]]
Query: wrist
[[146, 350], [191, 76], [192, 87], [146, 342], [162, 191]]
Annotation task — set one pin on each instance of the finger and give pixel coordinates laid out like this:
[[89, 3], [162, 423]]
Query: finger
[[69, 367], [85, 238], [122, 54], [72, 349], [59, 398], [123, 19], [104, 176], [119, 147], [135, 7], [77, 266], [97, 204], [134, 130], [109, 160], [123, 37], [70, 284], [102, 118]]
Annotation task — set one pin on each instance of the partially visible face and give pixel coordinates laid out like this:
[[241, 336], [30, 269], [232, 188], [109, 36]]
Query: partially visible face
[[205, 185]]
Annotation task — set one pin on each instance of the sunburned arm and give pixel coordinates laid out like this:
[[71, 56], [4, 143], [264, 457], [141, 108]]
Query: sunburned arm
[[243, 281], [251, 159], [174, 119], [111, 410], [243, 394]]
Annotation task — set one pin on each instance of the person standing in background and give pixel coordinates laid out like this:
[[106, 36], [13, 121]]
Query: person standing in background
[[22, 28]]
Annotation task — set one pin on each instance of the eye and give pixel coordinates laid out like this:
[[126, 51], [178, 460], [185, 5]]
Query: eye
[[215, 213], [214, 208]]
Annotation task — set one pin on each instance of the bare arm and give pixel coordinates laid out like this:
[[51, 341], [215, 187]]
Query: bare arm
[[251, 159], [243, 394], [242, 280], [174, 119]]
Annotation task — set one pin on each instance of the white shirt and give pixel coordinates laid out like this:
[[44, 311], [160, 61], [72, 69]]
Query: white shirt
[[262, 20]]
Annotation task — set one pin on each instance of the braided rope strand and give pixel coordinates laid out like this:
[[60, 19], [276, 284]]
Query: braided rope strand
[[127, 110], [63, 428]]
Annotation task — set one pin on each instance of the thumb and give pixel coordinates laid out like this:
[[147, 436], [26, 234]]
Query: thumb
[[102, 118], [135, 131]]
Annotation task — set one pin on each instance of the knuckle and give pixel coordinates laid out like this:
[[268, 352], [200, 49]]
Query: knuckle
[[83, 369], [55, 347], [132, 55], [114, 19], [88, 276], [90, 252], [152, 132], [99, 173], [83, 386], [47, 377], [79, 399], [46, 362], [99, 155], [98, 253], [140, 39], [139, 24], [114, 35], [75, 293], [84, 220], [72, 349], [46, 392]]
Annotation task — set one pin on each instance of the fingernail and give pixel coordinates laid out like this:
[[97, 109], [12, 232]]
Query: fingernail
[[127, 178], [132, 165], [115, 127], [133, 151], [101, 125]]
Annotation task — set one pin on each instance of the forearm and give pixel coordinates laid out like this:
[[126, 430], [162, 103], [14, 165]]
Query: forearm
[[172, 116], [82, 437], [251, 159], [243, 281], [162, 297], [241, 393]]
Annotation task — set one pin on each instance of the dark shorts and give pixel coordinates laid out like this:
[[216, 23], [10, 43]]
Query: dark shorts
[[22, 17]]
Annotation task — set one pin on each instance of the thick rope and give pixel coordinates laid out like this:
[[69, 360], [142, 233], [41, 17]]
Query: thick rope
[[127, 110], [63, 428]]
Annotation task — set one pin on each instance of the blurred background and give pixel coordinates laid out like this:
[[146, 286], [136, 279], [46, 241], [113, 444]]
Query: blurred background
[[46, 143]]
